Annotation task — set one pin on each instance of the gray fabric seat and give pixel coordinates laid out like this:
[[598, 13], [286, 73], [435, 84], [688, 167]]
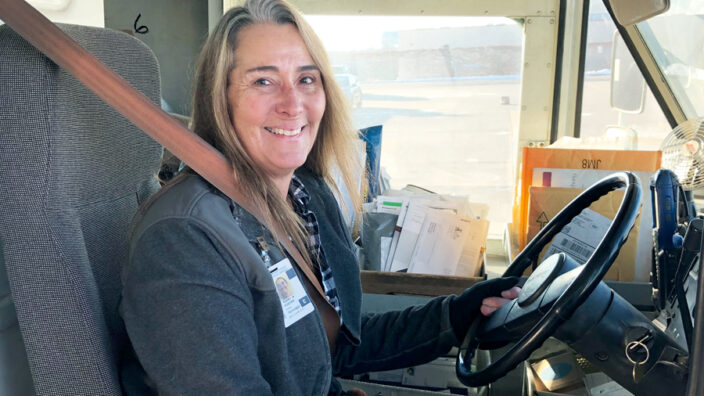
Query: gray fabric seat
[[15, 378], [72, 174]]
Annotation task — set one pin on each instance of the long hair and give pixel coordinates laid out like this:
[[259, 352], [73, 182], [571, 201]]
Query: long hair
[[334, 147]]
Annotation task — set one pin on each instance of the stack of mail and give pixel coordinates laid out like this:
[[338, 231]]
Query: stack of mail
[[434, 234]]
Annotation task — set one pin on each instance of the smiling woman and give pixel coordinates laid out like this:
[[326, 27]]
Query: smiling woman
[[248, 320], [276, 99], [222, 74]]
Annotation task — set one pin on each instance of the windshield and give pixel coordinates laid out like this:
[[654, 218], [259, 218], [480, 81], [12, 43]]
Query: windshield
[[343, 80], [676, 40]]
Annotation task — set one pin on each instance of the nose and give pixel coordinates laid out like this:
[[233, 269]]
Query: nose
[[290, 101]]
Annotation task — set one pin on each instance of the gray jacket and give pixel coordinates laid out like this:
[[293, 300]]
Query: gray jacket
[[203, 316]]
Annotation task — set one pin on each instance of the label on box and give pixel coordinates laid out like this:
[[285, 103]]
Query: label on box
[[579, 238], [558, 372]]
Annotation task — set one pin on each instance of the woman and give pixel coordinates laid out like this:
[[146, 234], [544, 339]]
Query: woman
[[200, 302]]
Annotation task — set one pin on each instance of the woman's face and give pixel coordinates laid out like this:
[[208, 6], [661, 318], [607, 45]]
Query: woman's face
[[282, 288], [276, 98]]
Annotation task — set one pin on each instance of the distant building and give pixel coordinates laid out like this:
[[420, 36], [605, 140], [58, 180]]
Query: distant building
[[460, 37], [487, 51]]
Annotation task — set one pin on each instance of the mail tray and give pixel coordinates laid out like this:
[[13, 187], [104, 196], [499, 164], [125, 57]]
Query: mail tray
[[376, 282]]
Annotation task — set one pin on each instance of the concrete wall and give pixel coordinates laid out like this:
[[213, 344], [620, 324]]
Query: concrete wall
[[384, 65], [177, 30], [509, 34]]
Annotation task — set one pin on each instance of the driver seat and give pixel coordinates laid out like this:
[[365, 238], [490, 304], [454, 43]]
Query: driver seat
[[72, 174]]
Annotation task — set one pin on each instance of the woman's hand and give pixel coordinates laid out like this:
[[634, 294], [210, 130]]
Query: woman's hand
[[482, 297], [491, 304]]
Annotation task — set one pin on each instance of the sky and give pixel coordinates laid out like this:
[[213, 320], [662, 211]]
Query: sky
[[365, 32]]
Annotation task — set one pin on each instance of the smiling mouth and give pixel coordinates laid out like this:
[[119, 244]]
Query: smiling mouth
[[284, 132]]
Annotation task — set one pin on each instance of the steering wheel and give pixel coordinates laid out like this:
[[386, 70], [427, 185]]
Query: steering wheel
[[532, 317]]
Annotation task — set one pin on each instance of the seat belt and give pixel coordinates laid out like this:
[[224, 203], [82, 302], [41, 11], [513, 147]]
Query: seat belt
[[190, 148]]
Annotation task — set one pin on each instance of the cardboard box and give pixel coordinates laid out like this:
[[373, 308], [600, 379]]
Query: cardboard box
[[578, 162], [546, 202], [573, 159], [401, 283]]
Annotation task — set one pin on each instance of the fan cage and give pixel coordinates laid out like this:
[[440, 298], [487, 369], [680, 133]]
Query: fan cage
[[683, 153]]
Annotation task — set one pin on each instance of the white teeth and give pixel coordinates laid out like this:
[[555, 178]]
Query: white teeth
[[283, 131]]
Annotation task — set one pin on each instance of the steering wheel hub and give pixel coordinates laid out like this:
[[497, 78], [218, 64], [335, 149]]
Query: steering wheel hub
[[541, 278]]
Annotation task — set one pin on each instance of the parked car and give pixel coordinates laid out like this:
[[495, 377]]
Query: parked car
[[350, 86]]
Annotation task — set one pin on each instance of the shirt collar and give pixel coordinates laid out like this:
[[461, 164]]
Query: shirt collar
[[297, 192]]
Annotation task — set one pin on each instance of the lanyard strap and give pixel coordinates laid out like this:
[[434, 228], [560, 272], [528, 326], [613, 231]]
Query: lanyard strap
[[120, 95]]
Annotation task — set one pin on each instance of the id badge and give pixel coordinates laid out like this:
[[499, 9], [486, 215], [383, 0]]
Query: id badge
[[295, 302]]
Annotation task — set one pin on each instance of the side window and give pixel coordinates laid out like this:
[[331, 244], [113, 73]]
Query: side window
[[447, 92], [676, 39], [76, 12], [634, 128]]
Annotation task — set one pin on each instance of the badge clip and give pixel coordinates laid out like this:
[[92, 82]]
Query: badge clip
[[264, 250]]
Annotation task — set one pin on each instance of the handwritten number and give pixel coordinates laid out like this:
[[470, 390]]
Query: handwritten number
[[141, 29]]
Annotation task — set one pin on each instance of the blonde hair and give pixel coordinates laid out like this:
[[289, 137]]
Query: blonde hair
[[334, 147]]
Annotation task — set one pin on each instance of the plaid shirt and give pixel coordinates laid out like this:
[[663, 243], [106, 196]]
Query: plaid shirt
[[300, 198]]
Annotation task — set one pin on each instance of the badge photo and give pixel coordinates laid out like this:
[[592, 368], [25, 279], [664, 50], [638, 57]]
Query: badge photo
[[295, 302]]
